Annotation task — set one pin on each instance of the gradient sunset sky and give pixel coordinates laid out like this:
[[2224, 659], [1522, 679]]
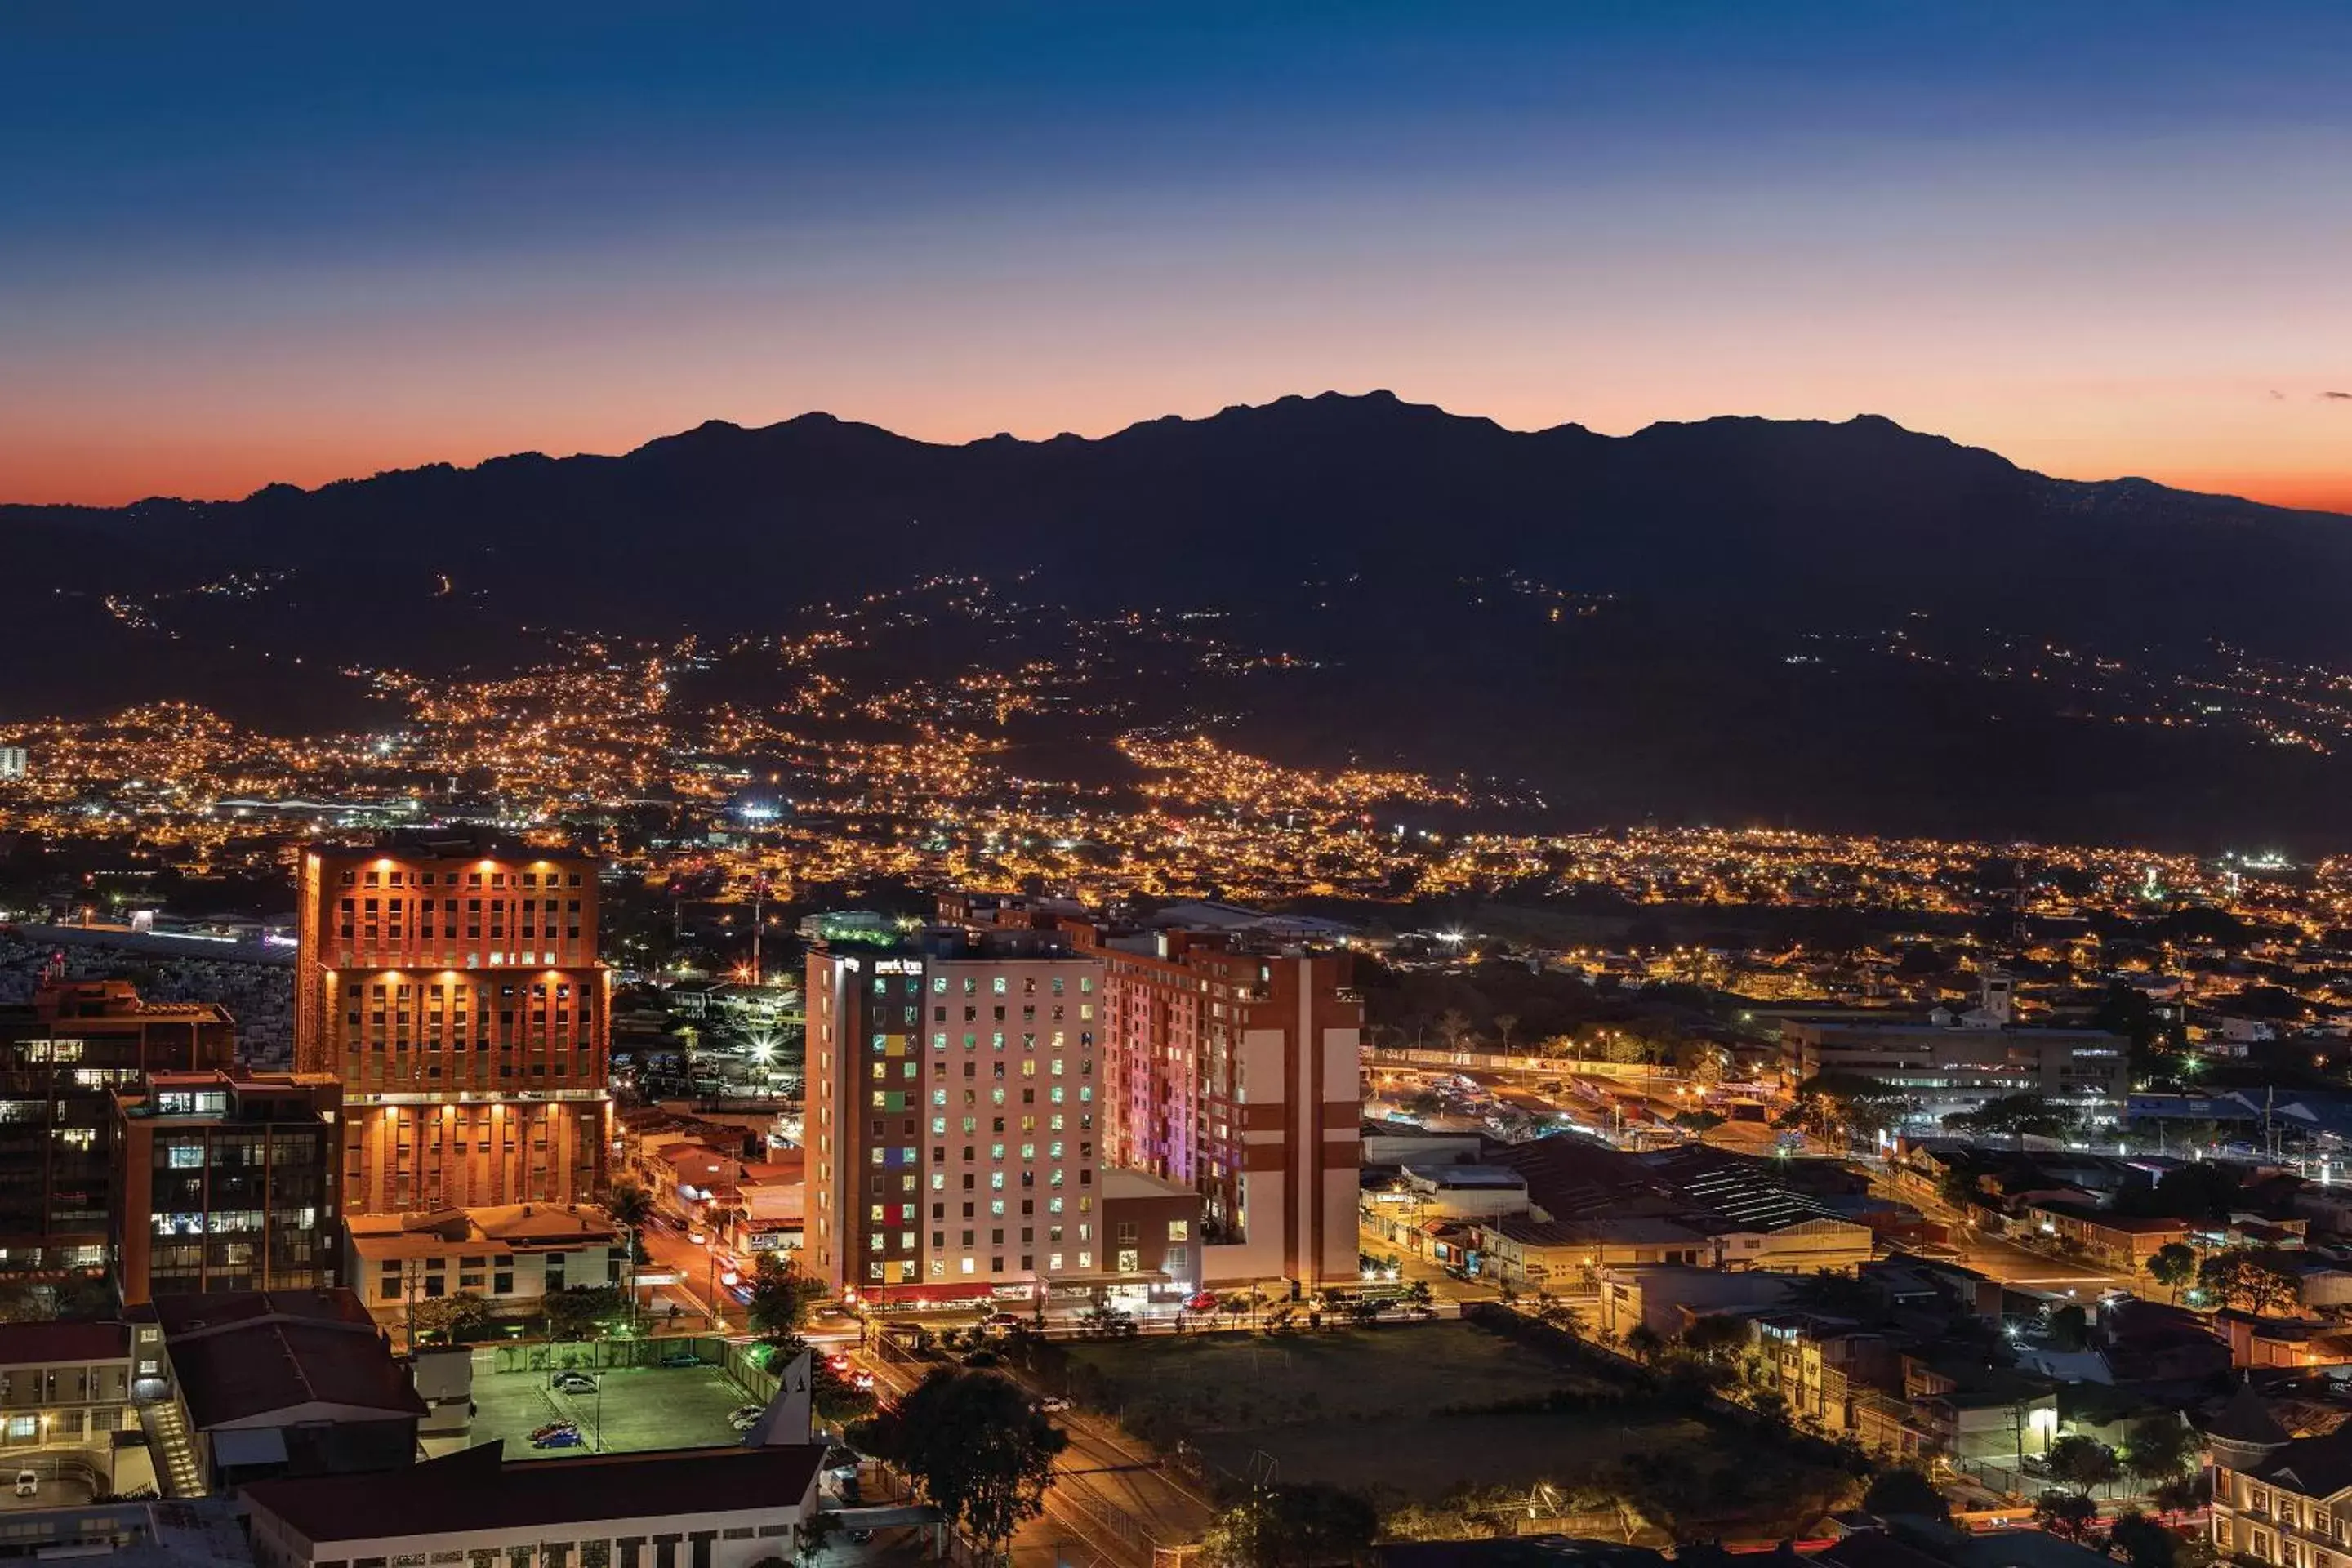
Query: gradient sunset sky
[[245, 243]]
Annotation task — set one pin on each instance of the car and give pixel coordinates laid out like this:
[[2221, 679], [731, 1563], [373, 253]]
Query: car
[[553, 1427], [569, 1437], [698, 1237], [864, 1381], [982, 1357], [743, 1417], [681, 1358], [839, 1362], [1003, 1319], [575, 1382], [860, 1537], [1201, 1301], [28, 1483], [1055, 1406]]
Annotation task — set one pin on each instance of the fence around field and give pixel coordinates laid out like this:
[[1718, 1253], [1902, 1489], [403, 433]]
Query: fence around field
[[734, 1357]]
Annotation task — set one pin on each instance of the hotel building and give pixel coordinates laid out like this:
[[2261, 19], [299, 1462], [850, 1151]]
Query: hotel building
[[451, 984], [953, 1097], [971, 1088]]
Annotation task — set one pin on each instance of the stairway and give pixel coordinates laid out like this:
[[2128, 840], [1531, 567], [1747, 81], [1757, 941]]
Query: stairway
[[178, 1472]]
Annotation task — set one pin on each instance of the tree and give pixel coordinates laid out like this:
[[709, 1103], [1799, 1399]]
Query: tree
[[2017, 1116], [1504, 1023], [815, 1531], [2082, 1463], [2172, 1266], [1643, 1343], [781, 1297], [2144, 1542], [2258, 1277], [630, 1203], [1713, 1336], [2065, 1513], [1454, 1028], [1303, 1526], [582, 1311], [1829, 1102], [980, 1452], [1958, 1187], [449, 1314], [2159, 1448], [2070, 1327], [1904, 1491]]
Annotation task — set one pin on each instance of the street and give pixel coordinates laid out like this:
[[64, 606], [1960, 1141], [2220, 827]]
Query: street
[[1115, 1498]]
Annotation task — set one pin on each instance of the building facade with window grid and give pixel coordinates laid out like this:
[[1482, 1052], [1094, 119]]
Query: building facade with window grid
[[453, 985], [225, 1183], [953, 1114]]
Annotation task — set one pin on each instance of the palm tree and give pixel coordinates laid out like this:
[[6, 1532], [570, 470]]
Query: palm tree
[[1504, 1023]]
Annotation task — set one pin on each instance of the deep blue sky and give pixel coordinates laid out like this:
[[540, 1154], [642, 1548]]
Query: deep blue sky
[[242, 243]]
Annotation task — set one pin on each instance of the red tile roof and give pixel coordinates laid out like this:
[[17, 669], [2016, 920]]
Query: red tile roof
[[53, 1344], [477, 1489]]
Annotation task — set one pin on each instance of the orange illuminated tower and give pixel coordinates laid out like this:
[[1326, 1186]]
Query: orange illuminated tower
[[451, 982]]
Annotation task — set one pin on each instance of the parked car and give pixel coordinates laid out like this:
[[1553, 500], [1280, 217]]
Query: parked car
[[575, 1382], [1203, 1301], [839, 1362], [553, 1427], [1055, 1406], [698, 1237], [1003, 1319], [28, 1483], [864, 1381], [568, 1438], [743, 1417], [681, 1358]]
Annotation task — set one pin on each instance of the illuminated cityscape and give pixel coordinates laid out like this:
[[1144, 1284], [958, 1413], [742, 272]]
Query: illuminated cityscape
[[1054, 787]]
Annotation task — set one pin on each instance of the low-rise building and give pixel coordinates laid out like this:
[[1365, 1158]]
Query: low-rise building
[[2279, 1500], [2122, 1241], [511, 1255], [1665, 1297], [701, 1508], [63, 1384], [1565, 1256], [1153, 1229], [283, 1383], [1954, 1063]]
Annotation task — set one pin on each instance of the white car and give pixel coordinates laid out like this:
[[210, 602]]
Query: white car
[[1055, 1406], [28, 1483]]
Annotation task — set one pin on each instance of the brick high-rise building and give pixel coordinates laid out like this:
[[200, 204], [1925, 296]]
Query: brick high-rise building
[[1236, 1072], [954, 1091], [451, 982], [1229, 1071], [61, 1058]]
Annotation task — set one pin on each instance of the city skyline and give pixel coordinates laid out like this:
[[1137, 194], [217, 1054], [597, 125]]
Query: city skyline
[[2098, 251]]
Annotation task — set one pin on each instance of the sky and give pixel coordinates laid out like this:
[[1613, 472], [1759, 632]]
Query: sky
[[248, 243]]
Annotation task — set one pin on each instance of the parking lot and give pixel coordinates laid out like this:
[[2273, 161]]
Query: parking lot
[[635, 1408]]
